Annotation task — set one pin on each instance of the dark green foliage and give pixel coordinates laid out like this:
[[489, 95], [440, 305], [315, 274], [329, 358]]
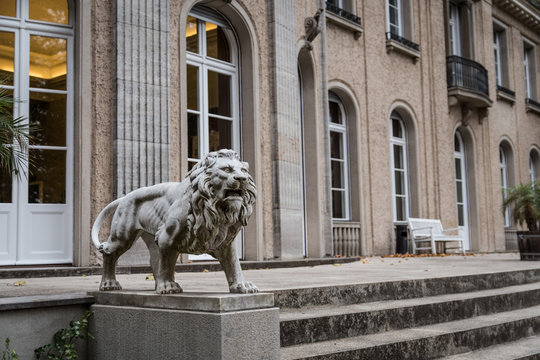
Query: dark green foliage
[[524, 202], [12, 131], [64, 346], [9, 354]]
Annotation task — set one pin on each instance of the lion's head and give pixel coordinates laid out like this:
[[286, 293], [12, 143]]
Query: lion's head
[[223, 193]]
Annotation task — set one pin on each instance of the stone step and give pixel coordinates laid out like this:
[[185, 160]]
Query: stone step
[[524, 349], [398, 290], [426, 342], [298, 326]]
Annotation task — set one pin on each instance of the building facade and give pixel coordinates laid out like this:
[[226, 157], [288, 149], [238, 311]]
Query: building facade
[[353, 114]]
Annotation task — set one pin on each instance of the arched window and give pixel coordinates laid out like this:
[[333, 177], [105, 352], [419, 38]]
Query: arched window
[[36, 66], [339, 159], [400, 169], [534, 164], [503, 164], [462, 201], [212, 84]]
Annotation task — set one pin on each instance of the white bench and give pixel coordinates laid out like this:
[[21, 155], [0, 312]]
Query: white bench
[[431, 230]]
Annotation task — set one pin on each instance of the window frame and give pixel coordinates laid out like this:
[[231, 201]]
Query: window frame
[[399, 9], [503, 166], [402, 143], [529, 64], [454, 24], [204, 64], [343, 130]]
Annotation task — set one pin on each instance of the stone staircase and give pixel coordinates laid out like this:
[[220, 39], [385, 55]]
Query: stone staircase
[[483, 316]]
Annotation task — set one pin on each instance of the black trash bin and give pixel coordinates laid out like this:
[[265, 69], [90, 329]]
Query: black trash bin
[[401, 239]]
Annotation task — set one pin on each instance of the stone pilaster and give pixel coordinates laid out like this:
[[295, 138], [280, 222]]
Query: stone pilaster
[[142, 121], [287, 131]]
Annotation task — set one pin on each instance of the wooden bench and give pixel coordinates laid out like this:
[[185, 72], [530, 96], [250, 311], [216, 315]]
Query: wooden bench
[[431, 230]]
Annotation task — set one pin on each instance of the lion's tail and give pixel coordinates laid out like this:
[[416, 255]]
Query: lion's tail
[[99, 221]]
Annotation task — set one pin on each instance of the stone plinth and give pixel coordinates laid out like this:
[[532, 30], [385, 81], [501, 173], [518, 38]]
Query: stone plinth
[[144, 325]]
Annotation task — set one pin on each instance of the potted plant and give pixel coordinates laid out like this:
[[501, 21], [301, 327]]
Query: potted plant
[[524, 202]]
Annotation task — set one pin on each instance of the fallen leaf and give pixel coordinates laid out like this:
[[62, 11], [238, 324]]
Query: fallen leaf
[[149, 277], [19, 283], [205, 270], [336, 264]]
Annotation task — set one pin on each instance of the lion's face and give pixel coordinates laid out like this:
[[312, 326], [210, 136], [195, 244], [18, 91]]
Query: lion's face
[[229, 179]]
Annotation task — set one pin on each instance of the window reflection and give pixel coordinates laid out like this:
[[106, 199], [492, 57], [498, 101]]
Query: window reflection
[[48, 62], [192, 87], [217, 45], [5, 186], [48, 118], [192, 35], [7, 46], [47, 183], [55, 11], [193, 136], [8, 8], [219, 93], [220, 134]]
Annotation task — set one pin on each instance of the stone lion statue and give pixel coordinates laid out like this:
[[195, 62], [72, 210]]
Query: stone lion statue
[[201, 214]]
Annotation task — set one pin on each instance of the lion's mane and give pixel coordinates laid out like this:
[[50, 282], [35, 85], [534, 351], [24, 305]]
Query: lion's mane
[[205, 218]]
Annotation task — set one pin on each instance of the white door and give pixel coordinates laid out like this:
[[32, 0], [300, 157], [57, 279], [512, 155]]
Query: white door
[[36, 207], [461, 189]]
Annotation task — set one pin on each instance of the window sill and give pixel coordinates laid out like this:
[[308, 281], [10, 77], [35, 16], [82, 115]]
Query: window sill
[[356, 29], [532, 106], [393, 45], [506, 95]]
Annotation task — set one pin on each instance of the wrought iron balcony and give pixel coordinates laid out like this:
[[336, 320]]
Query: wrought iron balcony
[[343, 13], [506, 91], [468, 81], [532, 102], [405, 42]]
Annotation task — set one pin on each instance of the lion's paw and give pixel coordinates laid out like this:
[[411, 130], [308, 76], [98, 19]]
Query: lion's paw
[[245, 287], [108, 285], [168, 287]]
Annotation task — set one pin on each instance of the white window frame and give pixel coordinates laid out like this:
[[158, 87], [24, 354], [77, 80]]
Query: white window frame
[[402, 143], [529, 51], [503, 165], [533, 170], [342, 129], [204, 64], [455, 31], [497, 55], [399, 25], [23, 27]]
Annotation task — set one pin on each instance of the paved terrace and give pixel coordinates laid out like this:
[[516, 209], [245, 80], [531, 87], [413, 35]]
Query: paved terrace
[[368, 270]]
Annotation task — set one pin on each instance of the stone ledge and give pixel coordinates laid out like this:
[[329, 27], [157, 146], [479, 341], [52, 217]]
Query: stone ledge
[[39, 301], [195, 301]]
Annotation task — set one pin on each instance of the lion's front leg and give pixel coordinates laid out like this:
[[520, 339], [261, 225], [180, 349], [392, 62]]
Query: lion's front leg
[[165, 283], [231, 265]]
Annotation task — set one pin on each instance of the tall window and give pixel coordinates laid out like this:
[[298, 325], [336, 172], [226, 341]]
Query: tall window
[[534, 164], [36, 66], [400, 176], [395, 17], [500, 53], [212, 85], [454, 29], [503, 164], [338, 158], [529, 69]]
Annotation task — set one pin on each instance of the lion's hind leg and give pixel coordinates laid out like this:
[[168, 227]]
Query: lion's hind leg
[[112, 250]]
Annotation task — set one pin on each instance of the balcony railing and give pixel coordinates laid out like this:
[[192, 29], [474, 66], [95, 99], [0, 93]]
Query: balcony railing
[[343, 13], [405, 42], [506, 91], [532, 102], [466, 74]]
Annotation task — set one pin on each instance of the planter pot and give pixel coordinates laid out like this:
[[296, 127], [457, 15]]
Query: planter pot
[[529, 245]]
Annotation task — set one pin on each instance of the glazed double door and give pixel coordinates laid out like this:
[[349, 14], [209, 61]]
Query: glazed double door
[[36, 206]]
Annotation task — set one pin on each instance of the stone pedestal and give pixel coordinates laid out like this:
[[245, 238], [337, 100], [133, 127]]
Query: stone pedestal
[[143, 325]]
